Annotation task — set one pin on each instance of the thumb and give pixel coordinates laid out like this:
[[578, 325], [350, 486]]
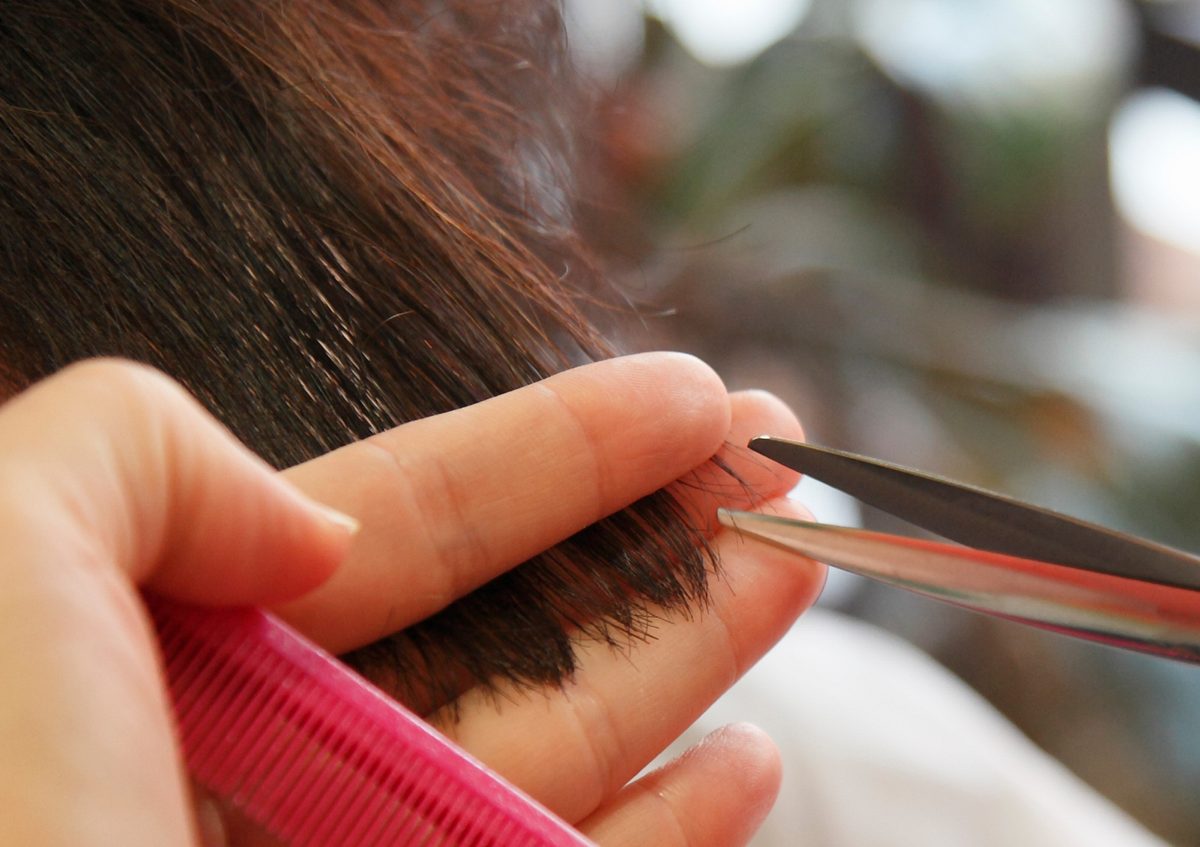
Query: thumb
[[115, 466], [110, 475]]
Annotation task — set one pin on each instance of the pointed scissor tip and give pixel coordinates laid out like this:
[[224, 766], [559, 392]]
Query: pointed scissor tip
[[745, 524], [776, 448], [756, 524], [749, 524]]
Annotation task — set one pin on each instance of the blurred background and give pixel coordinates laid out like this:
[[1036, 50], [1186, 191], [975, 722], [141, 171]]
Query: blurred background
[[959, 235]]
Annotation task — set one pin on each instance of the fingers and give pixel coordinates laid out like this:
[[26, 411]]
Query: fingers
[[449, 502], [111, 474], [621, 709], [715, 795], [739, 478]]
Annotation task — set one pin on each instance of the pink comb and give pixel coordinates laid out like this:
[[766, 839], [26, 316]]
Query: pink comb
[[318, 757]]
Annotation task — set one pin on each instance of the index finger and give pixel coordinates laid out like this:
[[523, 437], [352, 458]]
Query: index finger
[[449, 502]]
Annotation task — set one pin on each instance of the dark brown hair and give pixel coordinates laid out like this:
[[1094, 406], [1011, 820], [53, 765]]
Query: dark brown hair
[[324, 217]]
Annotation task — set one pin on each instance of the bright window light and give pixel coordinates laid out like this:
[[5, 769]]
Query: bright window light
[[606, 35], [729, 32], [997, 52], [1154, 153]]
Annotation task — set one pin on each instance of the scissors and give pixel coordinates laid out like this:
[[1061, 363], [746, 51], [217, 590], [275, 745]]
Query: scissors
[[1019, 562]]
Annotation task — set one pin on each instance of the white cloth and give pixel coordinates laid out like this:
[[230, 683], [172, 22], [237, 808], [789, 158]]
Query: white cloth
[[883, 747]]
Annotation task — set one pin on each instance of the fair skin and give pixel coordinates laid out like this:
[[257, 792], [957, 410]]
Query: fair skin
[[115, 479]]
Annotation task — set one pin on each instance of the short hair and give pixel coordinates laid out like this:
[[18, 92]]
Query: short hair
[[326, 218]]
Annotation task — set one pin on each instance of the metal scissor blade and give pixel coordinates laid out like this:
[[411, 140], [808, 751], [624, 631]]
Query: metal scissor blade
[[986, 520], [1143, 616]]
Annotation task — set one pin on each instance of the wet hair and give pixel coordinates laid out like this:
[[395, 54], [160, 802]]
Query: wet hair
[[325, 218]]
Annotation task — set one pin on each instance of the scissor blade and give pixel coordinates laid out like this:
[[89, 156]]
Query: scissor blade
[[1142, 616], [986, 520]]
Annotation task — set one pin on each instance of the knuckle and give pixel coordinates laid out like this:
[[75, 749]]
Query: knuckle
[[437, 510], [598, 742], [592, 475]]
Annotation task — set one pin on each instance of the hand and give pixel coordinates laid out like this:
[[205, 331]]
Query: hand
[[515, 475], [112, 477]]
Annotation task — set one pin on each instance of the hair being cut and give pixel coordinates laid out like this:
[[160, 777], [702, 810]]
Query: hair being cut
[[325, 218]]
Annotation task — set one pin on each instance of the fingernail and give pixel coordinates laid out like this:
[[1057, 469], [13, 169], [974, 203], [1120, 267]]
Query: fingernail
[[351, 525]]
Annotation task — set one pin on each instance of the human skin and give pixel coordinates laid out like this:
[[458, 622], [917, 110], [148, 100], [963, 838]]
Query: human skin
[[114, 479]]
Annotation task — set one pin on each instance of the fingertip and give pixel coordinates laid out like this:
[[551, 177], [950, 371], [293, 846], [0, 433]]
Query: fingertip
[[124, 470], [758, 413], [749, 757], [233, 530], [772, 416], [756, 756], [325, 538], [649, 417], [739, 477], [287, 545], [717, 793], [685, 365], [692, 390]]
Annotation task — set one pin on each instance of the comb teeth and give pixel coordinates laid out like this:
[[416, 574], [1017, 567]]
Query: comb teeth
[[319, 758]]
